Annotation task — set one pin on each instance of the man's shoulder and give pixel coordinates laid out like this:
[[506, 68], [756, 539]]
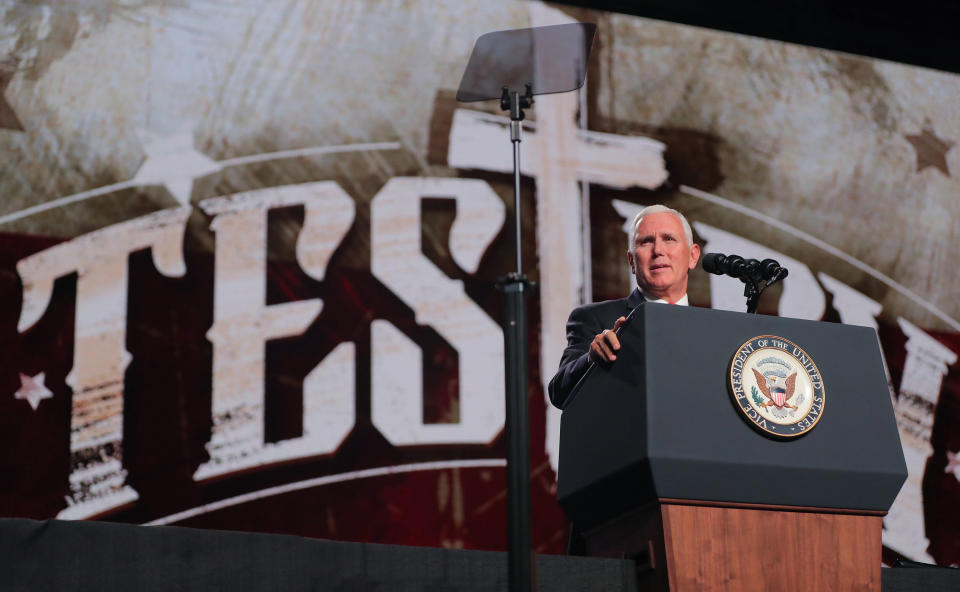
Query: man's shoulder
[[603, 308]]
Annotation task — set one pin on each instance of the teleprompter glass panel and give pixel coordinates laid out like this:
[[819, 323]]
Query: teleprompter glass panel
[[550, 59]]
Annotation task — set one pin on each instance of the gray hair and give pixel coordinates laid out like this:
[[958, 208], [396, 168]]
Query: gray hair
[[658, 209]]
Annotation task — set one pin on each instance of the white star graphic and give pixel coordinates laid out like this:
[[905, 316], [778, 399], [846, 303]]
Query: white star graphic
[[32, 390], [172, 161]]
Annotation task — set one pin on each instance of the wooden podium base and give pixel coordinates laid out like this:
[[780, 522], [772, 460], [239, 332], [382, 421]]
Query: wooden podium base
[[681, 547]]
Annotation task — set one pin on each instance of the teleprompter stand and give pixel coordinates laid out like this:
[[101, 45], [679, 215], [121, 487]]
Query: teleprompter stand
[[513, 66]]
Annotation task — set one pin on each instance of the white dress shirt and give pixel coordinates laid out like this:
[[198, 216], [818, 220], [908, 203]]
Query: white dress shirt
[[684, 301]]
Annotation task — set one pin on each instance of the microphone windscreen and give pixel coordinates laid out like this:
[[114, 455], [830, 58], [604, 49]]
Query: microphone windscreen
[[769, 268], [714, 263], [734, 266]]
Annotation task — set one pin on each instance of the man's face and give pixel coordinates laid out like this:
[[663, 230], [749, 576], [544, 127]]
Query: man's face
[[661, 257]]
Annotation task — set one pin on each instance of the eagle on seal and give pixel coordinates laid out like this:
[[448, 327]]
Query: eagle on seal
[[777, 390]]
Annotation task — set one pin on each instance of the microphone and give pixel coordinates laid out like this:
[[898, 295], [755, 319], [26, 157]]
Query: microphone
[[770, 269], [720, 264], [737, 267], [713, 263], [756, 275]]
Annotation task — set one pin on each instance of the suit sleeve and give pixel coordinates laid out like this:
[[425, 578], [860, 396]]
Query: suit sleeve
[[582, 327]]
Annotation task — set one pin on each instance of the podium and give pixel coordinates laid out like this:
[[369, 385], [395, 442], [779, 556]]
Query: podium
[[658, 463]]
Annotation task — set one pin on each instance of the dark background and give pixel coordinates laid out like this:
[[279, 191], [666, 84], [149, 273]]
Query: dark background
[[921, 32]]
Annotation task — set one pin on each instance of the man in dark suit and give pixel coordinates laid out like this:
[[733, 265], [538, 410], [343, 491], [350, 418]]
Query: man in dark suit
[[661, 255]]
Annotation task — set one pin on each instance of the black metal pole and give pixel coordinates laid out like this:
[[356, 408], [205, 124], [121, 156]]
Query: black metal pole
[[515, 137], [515, 287], [519, 552]]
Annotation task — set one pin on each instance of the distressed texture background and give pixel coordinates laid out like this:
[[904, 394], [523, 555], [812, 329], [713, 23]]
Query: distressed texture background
[[110, 111]]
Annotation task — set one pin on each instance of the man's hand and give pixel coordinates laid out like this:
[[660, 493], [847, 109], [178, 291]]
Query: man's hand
[[605, 344]]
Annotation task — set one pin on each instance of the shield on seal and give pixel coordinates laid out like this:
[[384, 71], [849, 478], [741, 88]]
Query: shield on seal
[[779, 396]]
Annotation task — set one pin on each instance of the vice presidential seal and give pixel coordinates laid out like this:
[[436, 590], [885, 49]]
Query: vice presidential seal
[[776, 386]]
